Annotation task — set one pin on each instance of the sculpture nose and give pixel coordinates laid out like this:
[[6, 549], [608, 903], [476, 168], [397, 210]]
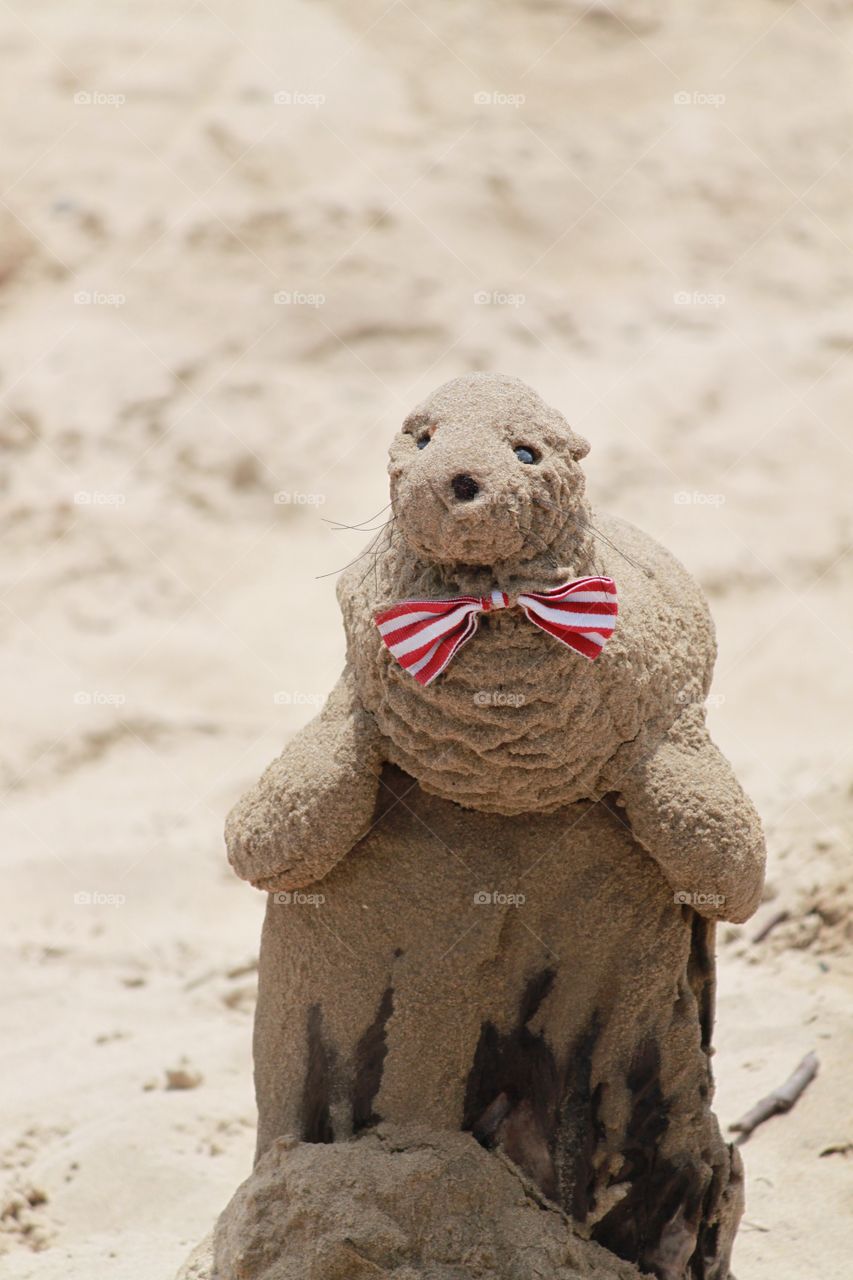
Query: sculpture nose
[[464, 487]]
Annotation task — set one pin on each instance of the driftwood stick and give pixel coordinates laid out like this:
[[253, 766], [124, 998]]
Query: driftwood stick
[[779, 918], [780, 1100]]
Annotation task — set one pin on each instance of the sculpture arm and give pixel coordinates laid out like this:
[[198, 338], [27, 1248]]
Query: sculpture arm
[[314, 802], [687, 808]]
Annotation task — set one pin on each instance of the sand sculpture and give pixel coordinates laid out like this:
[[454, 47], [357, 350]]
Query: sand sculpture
[[494, 863]]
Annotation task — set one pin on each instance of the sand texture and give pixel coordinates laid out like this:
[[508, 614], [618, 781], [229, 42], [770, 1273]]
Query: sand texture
[[408, 1204]]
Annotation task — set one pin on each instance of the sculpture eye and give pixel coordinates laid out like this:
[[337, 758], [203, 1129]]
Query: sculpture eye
[[525, 454], [423, 440]]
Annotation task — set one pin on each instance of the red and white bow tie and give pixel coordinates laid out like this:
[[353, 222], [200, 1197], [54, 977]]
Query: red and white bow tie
[[423, 635]]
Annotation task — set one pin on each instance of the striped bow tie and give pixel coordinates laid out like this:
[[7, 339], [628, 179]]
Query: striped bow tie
[[423, 635]]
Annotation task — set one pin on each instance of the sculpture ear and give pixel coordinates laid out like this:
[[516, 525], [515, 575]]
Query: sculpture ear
[[578, 445], [564, 438]]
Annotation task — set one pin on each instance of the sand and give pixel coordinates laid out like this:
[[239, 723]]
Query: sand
[[675, 275]]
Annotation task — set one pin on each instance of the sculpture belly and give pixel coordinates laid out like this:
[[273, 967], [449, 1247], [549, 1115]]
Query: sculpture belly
[[517, 723], [503, 749]]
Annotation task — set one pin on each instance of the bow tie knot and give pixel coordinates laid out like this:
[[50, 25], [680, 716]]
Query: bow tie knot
[[424, 635]]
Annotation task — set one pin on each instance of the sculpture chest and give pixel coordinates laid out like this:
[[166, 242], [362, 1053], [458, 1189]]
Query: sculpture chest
[[517, 723]]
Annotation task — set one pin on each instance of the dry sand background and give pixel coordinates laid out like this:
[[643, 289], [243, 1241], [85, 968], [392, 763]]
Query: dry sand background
[[656, 201]]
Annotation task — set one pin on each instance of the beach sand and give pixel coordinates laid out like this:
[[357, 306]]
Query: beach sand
[[215, 309]]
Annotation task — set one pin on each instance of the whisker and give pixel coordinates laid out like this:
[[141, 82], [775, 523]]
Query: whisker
[[364, 553], [369, 528], [552, 559], [644, 568], [380, 551], [582, 519], [341, 525]]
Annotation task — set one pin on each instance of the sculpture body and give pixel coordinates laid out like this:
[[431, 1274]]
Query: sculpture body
[[520, 866]]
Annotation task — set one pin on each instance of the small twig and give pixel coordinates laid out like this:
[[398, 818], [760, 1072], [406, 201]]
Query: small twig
[[837, 1149], [780, 1100], [239, 971], [200, 980], [779, 918]]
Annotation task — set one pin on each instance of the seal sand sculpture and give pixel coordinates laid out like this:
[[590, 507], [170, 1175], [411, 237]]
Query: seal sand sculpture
[[494, 862]]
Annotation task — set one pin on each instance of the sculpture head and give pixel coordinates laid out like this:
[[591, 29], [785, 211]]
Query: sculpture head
[[485, 473]]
